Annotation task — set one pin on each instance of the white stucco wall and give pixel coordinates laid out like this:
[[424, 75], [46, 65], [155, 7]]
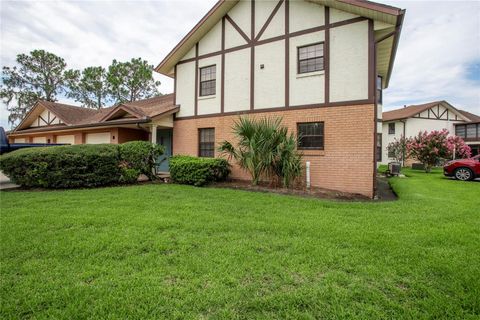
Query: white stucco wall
[[237, 80], [349, 62], [305, 88], [210, 104], [305, 15], [270, 81], [338, 15], [212, 41], [47, 116], [186, 89]]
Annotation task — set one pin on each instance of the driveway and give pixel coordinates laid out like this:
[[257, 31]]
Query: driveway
[[5, 182]]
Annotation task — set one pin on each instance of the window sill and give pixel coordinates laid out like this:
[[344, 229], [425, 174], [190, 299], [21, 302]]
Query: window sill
[[207, 97], [312, 152], [310, 74]]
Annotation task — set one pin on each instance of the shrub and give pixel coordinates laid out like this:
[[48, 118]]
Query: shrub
[[397, 149], [141, 156], [63, 166], [264, 149], [430, 148], [198, 171]]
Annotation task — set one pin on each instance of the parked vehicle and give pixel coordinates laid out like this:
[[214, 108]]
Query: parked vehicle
[[6, 147], [463, 169]]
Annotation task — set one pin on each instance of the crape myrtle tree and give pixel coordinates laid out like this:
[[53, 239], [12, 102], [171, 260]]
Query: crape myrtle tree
[[37, 75], [430, 147], [397, 149]]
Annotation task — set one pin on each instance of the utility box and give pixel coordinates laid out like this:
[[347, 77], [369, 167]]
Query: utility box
[[394, 168]]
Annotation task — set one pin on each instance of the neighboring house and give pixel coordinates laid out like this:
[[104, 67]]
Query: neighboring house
[[409, 121], [51, 122], [470, 132], [321, 65]]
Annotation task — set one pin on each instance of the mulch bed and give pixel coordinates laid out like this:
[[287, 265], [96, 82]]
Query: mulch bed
[[314, 192]]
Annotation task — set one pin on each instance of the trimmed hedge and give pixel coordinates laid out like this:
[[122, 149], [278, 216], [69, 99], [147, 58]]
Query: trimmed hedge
[[139, 156], [63, 166], [80, 166], [198, 171]]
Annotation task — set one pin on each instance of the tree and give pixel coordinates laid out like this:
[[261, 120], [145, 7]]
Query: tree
[[131, 80], [39, 75], [431, 147], [398, 149], [264, 149], [89, 87]]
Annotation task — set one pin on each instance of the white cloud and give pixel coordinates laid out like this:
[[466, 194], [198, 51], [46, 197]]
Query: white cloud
[[440, 40]]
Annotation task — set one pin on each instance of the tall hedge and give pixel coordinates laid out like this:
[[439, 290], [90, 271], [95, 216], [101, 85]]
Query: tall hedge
[[63, 166], [80, 166], [198, 171]]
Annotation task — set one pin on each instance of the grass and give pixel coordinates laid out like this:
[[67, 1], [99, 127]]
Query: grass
[[180, 252]]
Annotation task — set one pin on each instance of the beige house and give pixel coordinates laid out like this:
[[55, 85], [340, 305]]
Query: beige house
[[320, 65], [410, 120]]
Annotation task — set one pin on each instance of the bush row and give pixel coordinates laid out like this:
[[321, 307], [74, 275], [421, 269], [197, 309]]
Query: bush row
[[198, 171], [80, 165]]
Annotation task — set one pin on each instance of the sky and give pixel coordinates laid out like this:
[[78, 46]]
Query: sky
[[438, 57]]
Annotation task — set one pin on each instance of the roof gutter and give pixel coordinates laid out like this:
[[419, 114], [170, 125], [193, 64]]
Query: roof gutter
[[81, 126]]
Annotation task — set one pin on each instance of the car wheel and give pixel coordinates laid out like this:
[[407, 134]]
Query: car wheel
[[463, 174]]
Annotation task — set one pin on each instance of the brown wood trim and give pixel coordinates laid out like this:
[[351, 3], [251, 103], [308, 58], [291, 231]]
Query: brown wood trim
[[398, 29], [240, 31], [222, 83], [252, 57], [287, 53], [380, 7], [372, 73], [260, 42], [372, 77], [296, 107], [196, 79], [270, 18], [385, 37], [326, 56], [175, 86], [440, 116], [348, 21]]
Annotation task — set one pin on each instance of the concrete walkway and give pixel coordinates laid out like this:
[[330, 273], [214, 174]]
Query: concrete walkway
[[5, 182]]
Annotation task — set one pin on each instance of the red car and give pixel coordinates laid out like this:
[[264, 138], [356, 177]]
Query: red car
[[463, 169]]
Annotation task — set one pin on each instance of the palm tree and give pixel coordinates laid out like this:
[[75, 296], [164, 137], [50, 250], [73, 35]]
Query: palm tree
[[264, 149]]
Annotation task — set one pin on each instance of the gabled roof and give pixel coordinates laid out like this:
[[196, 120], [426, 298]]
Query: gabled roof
[[368, 9], [410, 111], [473, 117], [143, 110]]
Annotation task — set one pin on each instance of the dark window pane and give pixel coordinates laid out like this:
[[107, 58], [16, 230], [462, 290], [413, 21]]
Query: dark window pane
[[379, 147], [207, 143], [208, 81], [460, 131], [310, 135], [391, 128], [310, 58], [471, 130]]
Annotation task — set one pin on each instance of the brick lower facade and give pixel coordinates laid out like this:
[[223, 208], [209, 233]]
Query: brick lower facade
[[346, 163]]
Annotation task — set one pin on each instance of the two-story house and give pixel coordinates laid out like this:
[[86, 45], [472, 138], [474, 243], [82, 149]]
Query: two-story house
[[320, 65], [410, 120]]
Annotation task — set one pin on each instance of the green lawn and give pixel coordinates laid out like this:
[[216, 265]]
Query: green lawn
[[179, 252]]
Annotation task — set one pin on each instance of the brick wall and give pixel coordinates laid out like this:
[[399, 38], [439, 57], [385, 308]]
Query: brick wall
[[345, 164]]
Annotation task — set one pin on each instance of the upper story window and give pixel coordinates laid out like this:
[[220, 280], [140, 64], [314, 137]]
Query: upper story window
[[310, 58], [379, 90], [391, 128], [208, 79], [471, 130], [460, 131], [310, 136]]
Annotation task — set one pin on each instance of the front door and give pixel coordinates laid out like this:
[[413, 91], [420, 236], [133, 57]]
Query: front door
[[164, 138]]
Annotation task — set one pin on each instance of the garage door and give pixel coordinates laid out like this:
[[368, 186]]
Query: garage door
[[20, 140], [70, 139], [97, 138], [39, 140]]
